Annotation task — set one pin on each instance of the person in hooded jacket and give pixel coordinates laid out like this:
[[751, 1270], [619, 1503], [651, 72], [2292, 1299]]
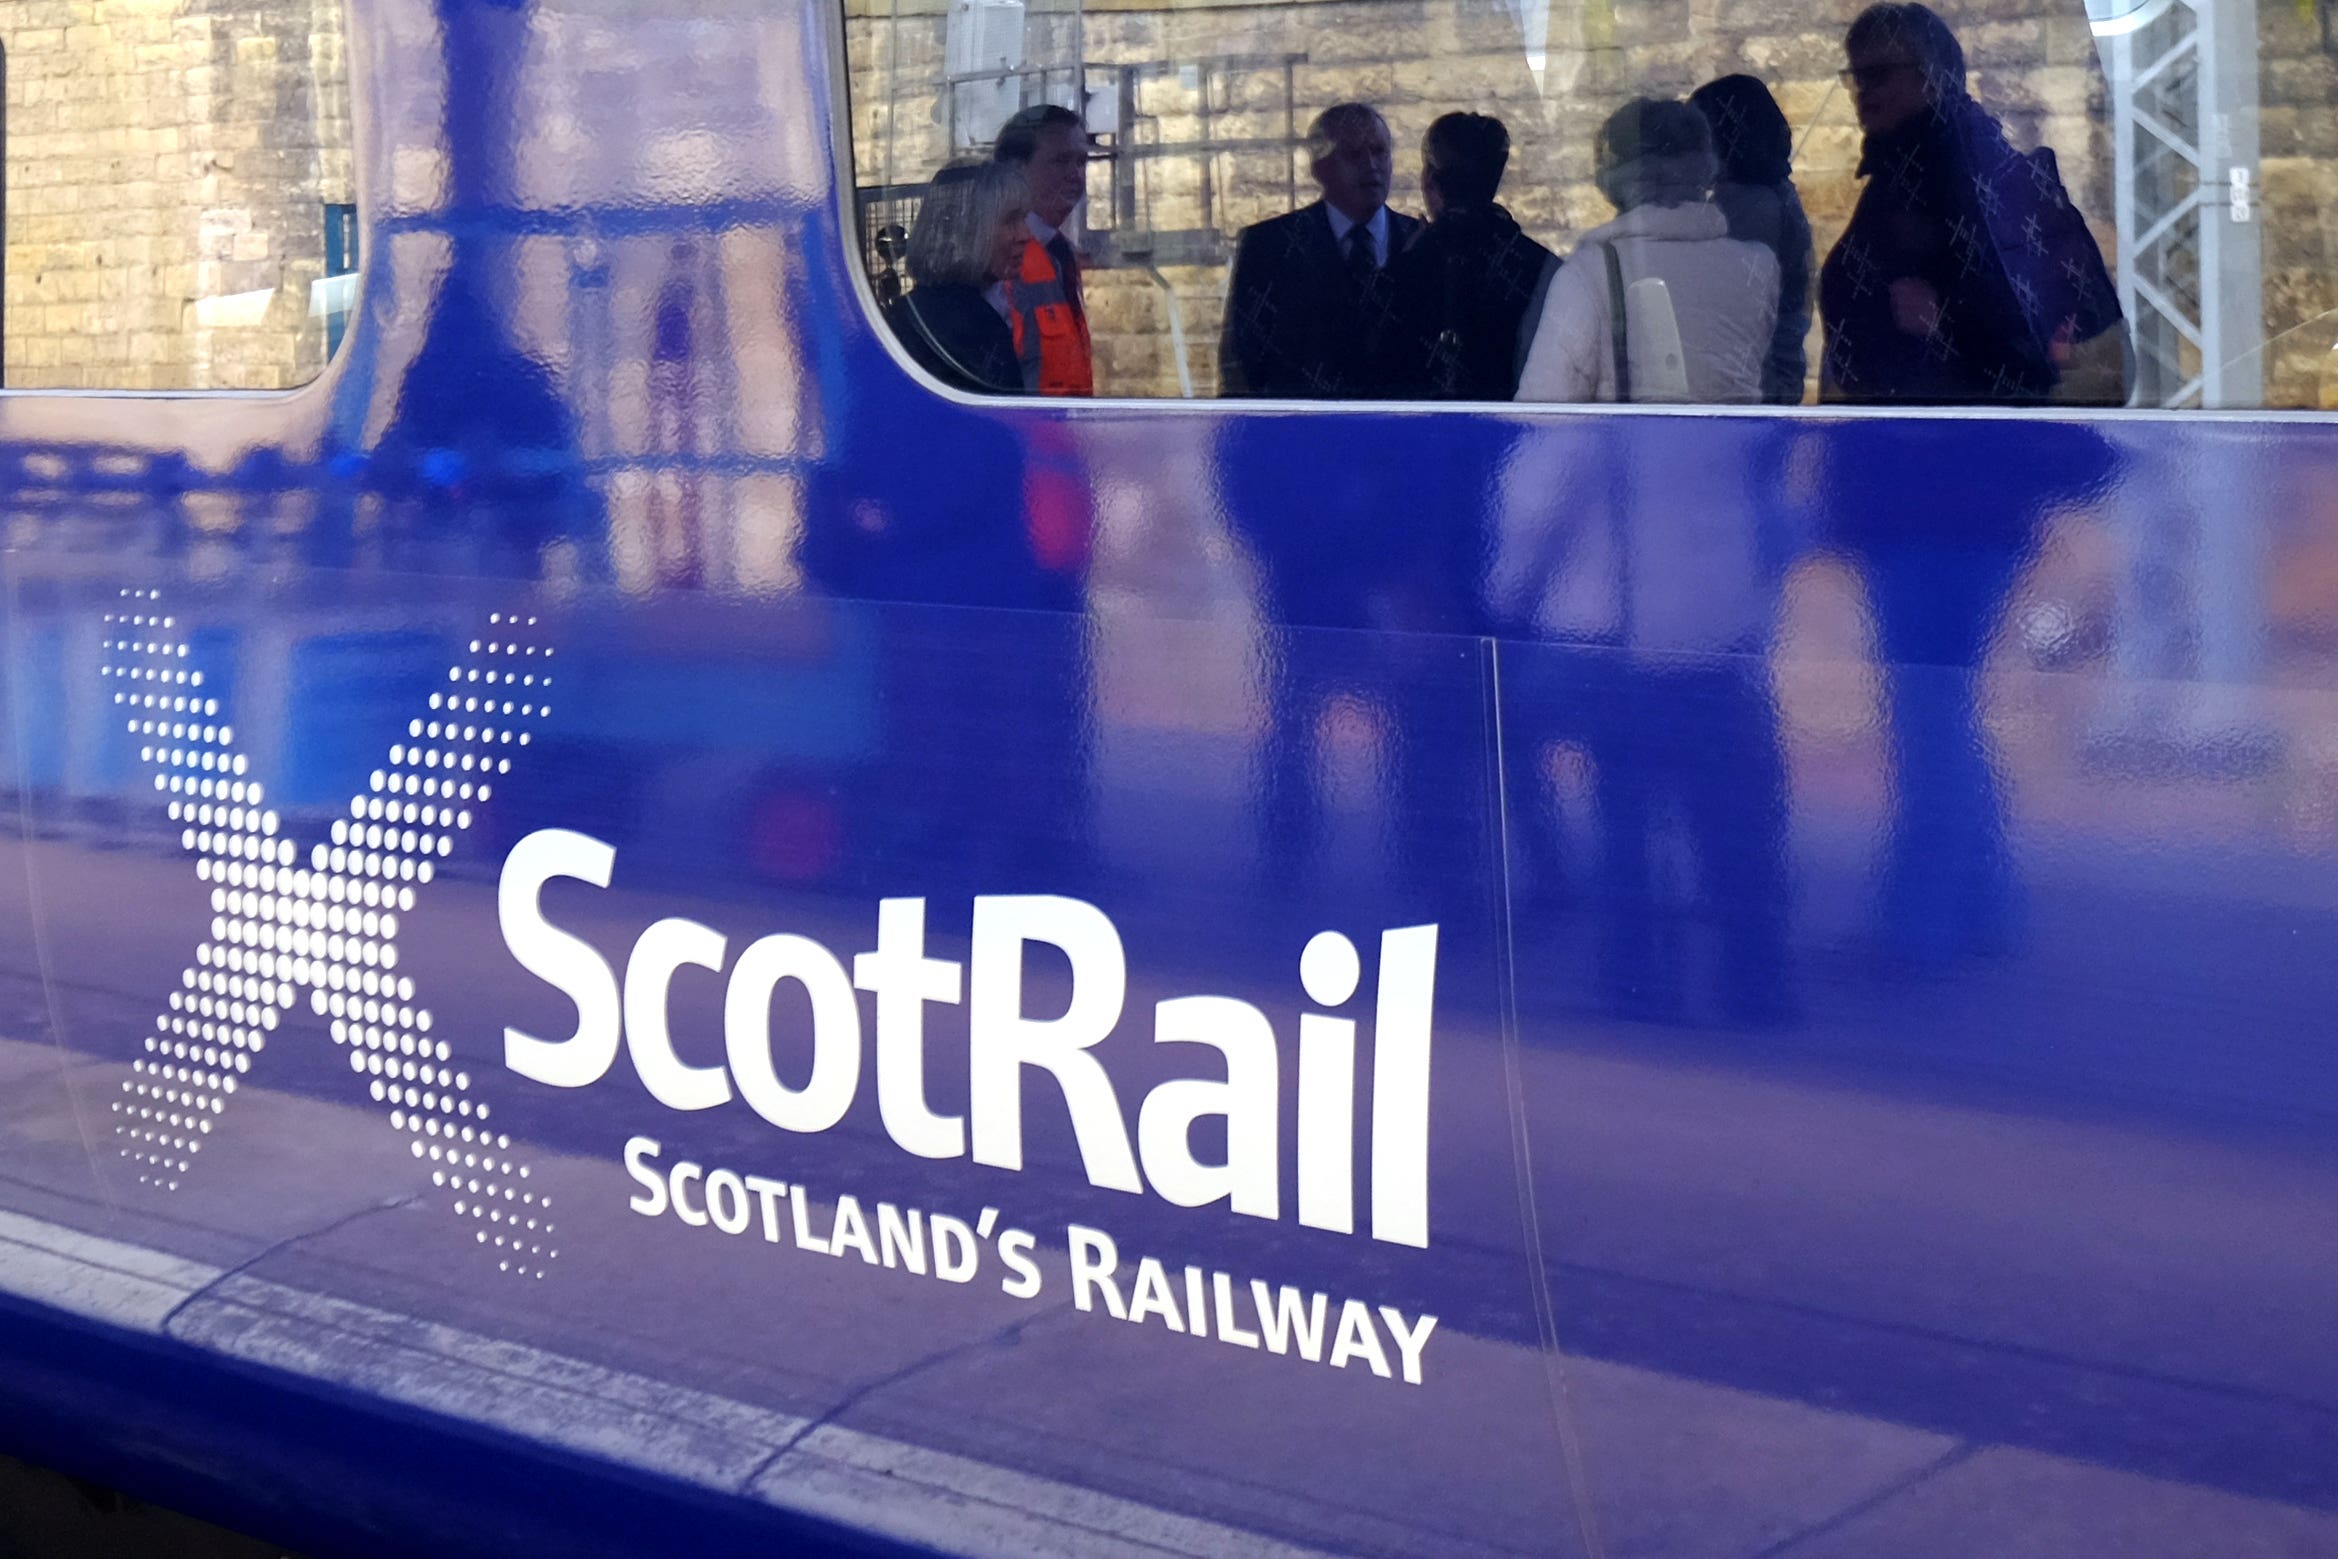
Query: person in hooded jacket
[[1464, 294], [1756, 194], [1962, 278], [1950, 285]]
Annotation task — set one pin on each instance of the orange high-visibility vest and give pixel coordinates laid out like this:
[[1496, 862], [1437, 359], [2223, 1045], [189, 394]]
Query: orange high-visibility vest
[[1051, 337], [1058, 518]]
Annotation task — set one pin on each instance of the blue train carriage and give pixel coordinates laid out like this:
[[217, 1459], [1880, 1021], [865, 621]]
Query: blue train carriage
[[653, 912]]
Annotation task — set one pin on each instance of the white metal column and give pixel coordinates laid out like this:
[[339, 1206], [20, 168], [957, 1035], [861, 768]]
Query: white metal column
[[2183, 87], [2188, 642]]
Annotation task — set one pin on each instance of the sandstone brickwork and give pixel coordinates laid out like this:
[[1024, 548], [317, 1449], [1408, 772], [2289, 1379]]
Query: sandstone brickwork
[[2298, 143], [168, 165], [2034, 62]]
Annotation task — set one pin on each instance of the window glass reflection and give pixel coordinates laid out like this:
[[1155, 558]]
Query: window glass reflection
[[2002, 204]]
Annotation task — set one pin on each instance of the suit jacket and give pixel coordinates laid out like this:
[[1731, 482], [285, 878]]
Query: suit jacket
[[1297, 325], [1460, 298]]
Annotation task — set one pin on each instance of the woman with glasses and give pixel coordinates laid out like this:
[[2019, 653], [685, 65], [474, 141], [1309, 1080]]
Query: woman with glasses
[[1964, 277], [1951, 285]]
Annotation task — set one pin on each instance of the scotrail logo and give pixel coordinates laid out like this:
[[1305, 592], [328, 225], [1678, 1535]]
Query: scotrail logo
[[328, 927]]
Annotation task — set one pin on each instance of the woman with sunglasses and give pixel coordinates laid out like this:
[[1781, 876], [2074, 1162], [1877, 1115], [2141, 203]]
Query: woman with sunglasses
[[1945, 290]]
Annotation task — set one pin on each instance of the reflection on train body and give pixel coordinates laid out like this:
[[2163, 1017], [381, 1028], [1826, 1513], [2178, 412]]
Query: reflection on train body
[[1873, 1099]]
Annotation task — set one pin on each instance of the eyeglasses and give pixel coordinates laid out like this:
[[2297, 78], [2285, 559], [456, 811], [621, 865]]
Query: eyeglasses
[[1873, 75]]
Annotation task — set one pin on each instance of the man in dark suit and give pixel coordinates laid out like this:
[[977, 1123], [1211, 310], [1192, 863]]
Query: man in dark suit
[[1306, 293], [1340, 544]]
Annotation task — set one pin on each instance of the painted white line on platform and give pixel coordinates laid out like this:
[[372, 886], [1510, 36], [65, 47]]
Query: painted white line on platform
[[974, 1507], [869, 1482], [651, 1424], [95, 1277]]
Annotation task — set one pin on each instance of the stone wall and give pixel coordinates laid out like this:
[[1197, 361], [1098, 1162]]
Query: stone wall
[[2298, 145], [2034, 62], [168, 164]]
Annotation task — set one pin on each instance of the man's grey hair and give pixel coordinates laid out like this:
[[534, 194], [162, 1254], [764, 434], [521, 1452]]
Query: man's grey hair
[[961, 213], [1324, 132], [1655, 152]]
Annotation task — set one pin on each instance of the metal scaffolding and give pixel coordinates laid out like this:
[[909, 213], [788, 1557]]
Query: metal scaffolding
[[2183, 87]]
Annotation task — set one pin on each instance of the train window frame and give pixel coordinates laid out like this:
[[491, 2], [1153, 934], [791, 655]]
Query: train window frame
[[845, 212], [356, 64]]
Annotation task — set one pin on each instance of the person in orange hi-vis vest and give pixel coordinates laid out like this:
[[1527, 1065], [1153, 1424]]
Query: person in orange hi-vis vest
[[1049, 319], [1044, 306]]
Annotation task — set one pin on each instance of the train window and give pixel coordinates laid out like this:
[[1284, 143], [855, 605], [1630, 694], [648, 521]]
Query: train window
[[1992, 202], [165, 168]]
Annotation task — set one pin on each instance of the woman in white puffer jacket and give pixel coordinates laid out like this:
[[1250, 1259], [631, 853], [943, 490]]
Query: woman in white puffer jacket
[[1656, 164], [1650, 584], [1692, 567]]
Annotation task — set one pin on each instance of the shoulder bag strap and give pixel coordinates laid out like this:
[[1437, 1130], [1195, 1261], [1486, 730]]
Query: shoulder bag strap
[[1616, 329], [1620, 527]]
